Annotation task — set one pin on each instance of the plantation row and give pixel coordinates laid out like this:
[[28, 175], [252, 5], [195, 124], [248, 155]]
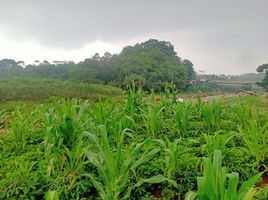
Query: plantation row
[[137, 148]]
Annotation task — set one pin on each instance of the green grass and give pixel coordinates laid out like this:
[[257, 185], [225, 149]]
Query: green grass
[[34, 89]]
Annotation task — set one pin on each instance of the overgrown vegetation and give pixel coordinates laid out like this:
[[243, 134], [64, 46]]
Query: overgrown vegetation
[[138, 148]]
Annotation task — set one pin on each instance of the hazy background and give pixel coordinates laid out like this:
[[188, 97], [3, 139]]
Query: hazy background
[[217, 36]]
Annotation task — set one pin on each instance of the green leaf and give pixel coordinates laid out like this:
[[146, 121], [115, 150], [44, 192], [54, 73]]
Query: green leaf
[[191, 195], [52, 195], [156, 179], [247, 185]]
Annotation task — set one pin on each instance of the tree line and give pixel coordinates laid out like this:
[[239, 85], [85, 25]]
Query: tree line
[[150, 65]]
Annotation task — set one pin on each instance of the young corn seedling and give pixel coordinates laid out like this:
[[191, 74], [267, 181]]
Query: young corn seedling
[[255, 138], [241, 113], [21, 126], [133, 101], [212, 114], [63, 122], [217, 141], [153, 119], [183, 115], [217, 184], [172, 153], [115, 165]]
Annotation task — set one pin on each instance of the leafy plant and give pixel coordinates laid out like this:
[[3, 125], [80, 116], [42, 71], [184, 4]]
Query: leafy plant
[[172, 151], [255, 138], [217, 141], [214, 185], [21, 125], [115, 166], [211, 114], [153, 118]]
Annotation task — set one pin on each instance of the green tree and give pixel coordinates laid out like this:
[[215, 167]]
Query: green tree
[[263, 69], [155, 61]]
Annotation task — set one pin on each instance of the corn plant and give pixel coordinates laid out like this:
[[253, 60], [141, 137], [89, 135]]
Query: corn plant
[[217, 141], [217, 184], [21, 178], [172, 152], [115, 165], [241, 113], [183, 115], [169, 95], [153, 119], [255, 137], [52, 153], [133, 101], [72, 166], [212, 114], [21, 125], [63, 121], [67, 174], [102, 113]]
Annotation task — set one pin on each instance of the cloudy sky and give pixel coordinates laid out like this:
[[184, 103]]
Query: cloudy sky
[[218, 36]]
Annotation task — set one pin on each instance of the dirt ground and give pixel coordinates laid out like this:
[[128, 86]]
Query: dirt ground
[[228, 96]]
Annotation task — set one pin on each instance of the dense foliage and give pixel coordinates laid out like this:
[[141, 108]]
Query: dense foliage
[[264, 83], [137, 148], [149, 64]]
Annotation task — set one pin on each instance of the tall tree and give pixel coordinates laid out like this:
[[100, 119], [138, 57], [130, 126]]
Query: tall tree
[[154, 61]]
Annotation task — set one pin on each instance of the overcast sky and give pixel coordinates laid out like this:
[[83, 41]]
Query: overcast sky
[[218, 36]]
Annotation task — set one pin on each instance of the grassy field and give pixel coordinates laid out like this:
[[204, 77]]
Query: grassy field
[[35, 89], [137, 148]]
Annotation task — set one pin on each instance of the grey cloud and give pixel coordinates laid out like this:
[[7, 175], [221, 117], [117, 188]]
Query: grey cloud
[[70, 23], [234, 26]]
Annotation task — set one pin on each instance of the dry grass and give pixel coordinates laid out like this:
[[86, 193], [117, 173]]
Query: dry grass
[[4, 132]]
